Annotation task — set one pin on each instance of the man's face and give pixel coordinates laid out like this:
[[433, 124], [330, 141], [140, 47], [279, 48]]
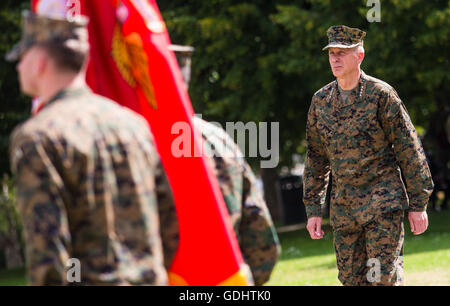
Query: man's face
[[29, 69], [344, 61]]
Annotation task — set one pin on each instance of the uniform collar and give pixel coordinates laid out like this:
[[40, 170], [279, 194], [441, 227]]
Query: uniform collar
[[64, 93], [69, 92], [354, 96]]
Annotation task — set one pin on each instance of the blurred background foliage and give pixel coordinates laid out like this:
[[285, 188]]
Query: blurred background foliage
[[14, 107], [261, 60]]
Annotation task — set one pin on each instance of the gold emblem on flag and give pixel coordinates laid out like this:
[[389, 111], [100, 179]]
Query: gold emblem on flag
[[132, 62]]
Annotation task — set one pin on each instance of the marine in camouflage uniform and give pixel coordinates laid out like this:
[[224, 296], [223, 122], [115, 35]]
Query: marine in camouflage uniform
[[364, 140], [250, 217], [248, 211], [89, 181]]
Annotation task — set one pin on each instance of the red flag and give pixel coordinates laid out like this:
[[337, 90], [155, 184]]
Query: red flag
[[130, 62]]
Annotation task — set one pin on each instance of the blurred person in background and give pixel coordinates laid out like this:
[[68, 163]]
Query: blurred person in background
[[248, 211]]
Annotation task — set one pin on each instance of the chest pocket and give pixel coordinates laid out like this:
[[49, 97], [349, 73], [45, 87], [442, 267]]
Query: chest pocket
[[360, 126], [327, 125]]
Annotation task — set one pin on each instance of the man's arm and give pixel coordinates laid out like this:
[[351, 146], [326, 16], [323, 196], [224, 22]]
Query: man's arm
[[409, 153], [258, 238], [317, 168], [42, 211], [408, 150]]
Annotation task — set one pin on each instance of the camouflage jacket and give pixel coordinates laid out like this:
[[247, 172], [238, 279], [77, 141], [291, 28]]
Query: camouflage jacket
[[364, 141], [249, 214], [90, 186]]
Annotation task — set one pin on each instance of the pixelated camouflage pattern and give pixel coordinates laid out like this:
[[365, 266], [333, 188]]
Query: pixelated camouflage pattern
[[90, 186], [364, 141], [344, 37], [40, 29], [369, 255], [249, 214]]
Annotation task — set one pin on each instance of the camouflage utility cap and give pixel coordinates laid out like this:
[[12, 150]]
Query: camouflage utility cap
[[344, 37], [39, 29]]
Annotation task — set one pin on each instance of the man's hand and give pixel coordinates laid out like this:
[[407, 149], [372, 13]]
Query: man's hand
[[418, 221], [314, 227]]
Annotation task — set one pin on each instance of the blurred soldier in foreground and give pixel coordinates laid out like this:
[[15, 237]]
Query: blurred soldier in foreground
[[359, 129], [249, 214], [89, 181]]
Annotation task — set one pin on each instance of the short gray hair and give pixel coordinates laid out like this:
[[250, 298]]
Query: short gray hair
[[360, 48]]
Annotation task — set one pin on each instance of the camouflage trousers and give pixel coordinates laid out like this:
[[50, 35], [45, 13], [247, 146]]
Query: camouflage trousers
[[370, 254]]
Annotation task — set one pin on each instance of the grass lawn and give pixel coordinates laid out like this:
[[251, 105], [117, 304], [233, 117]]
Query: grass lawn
[[14, 277], [312, 262]]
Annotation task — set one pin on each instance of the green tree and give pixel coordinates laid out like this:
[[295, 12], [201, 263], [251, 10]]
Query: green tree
[[14, 107], [11, 243], [235, 75], [262, 60]]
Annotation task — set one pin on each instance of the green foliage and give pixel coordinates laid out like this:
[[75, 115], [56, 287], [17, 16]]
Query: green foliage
[[14, 107], [13, 277], [262, 60], [9, 217], [7, 208], [235, 69]]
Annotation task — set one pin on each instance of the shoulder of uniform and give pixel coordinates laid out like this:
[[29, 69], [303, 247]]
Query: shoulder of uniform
[[34, 130], [379, 84], [324, 91], [16, 136], [112, 113], [209, 129], [24, 131], [211, 132], [21, 138], [206, 128], [219, 138]]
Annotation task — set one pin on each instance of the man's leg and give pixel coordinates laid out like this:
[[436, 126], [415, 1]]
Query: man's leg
[[350, 257], [384, 239], [349, 246]]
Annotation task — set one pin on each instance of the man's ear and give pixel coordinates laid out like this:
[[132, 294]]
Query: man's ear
[[360, 56], [41, 63]]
